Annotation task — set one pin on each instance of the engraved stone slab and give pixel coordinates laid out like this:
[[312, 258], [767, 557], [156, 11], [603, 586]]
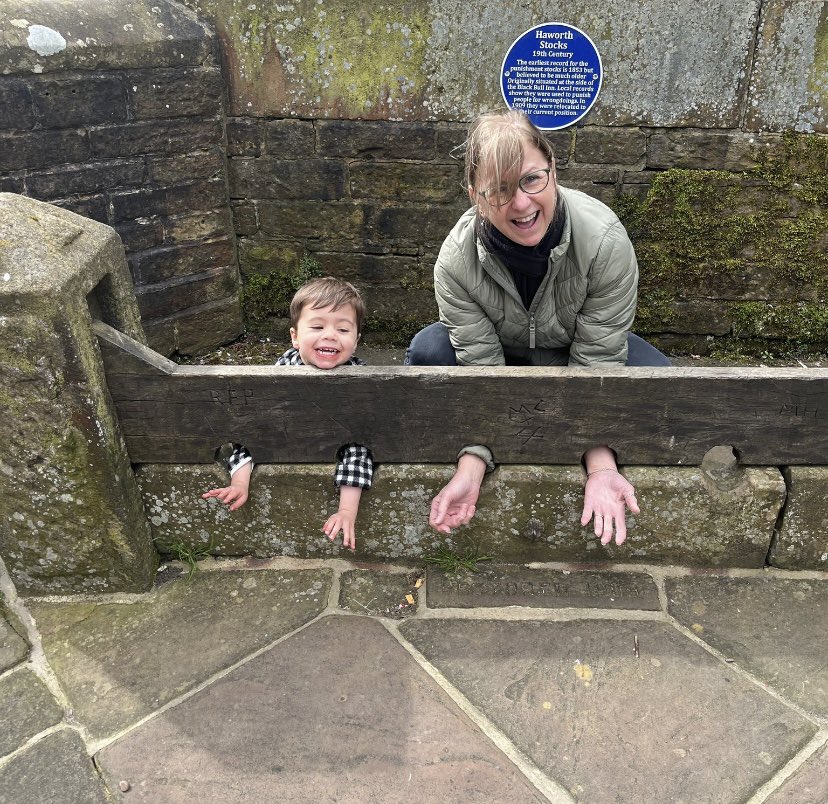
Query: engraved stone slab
[[56, 770], [541, 588], [774, 627], [337, 712], [27, 707], [119, 662], [673, 725]]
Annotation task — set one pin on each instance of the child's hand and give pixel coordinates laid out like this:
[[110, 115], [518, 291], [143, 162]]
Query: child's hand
[[344, 519], [341, 521], [232, 496]]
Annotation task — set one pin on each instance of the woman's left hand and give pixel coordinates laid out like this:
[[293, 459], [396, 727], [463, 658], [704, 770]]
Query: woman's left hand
[[607, 495]]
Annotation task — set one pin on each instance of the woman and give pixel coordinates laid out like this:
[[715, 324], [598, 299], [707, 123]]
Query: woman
[[532, 274]]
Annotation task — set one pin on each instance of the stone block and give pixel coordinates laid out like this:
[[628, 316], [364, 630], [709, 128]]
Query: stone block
[[611, 145], [244, 137], [38, 149], [94, 207], [178, 92], [269, 256], [55, 769], [598, 182], [380, 594], [400, 305], [13, 648], [502, 585], [802, 539], [407, 181], [287, 179], [449, 142], [705, 150], [197, 226], [684, 520], [141, 234], [16, 103], [199, 627], [398, 273], [84, 100], [179, 293], [245, 219], [28, 708], [289, 138], [701, 317], [420, 225], [165, 35], [774, 629], [588, 712], [200, 329], [85, 179], [177, 169], [12, 183], [158, 264], [172, 137], [808, 785], [72, 518], [314, 219], [788, 83], [358, 139], [182, 198], [339, 710]]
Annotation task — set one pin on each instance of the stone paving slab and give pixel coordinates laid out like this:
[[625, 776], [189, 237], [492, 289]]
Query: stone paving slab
[[673, 725], [13, 648], [118, 662], [775, 628], [337, 712], [55, 770], [381, 594], [541, 588], [26, 708], [809, 785]]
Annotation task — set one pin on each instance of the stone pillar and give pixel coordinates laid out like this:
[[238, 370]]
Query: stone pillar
[[802, 541], [71, 517]]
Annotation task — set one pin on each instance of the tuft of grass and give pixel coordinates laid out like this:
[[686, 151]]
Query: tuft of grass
[[188, 555], [450, 561]]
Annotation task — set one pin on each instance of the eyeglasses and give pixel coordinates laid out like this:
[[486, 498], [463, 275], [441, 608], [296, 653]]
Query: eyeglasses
[[531, 184]]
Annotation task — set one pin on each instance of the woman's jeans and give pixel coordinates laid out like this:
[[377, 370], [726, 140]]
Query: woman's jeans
[[431, 347]]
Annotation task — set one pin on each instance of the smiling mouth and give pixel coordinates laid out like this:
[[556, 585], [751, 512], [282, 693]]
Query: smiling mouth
[[323, 350], [527, 222]]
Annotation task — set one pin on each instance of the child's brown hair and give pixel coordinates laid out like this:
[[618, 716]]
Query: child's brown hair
[[327, 291]]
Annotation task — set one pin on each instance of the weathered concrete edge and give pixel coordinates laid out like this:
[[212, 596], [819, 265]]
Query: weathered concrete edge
[[525, 514]]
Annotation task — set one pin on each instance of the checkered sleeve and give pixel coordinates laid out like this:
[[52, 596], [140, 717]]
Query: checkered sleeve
[[238, 458], [354, 467]]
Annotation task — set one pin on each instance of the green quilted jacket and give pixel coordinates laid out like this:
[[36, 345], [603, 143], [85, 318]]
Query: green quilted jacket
[[586, 302]]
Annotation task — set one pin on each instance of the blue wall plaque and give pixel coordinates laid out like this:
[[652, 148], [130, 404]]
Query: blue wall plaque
[[553, 73]]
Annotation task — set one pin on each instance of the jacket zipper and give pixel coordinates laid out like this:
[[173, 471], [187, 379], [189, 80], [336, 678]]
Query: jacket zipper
[[531, 330]]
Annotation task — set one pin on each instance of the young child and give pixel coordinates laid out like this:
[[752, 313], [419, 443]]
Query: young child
[[326, 316]]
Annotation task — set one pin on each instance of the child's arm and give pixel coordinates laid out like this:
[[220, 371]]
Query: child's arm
[[345, 518], [240, 465], [354, 472]]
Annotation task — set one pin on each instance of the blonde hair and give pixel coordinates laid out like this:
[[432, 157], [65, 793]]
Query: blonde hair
[[327, 291], [495, 146]]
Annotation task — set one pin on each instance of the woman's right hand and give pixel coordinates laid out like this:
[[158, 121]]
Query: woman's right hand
[[456, 503]]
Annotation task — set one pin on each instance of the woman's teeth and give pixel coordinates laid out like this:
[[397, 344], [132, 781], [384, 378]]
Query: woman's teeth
[[525, 222]]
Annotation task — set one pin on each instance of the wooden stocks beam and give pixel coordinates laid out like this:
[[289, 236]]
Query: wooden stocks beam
[[297, 414]]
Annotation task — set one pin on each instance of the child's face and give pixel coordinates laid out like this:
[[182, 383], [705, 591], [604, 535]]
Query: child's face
[[325, 337]]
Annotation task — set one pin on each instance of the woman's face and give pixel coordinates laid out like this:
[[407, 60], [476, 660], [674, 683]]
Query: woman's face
[[525, 217]]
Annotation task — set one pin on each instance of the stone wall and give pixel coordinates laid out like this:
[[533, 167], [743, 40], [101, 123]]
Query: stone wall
[[116, 111], [341, 119]]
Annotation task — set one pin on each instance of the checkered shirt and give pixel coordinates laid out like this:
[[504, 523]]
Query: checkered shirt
[[354, 462]]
